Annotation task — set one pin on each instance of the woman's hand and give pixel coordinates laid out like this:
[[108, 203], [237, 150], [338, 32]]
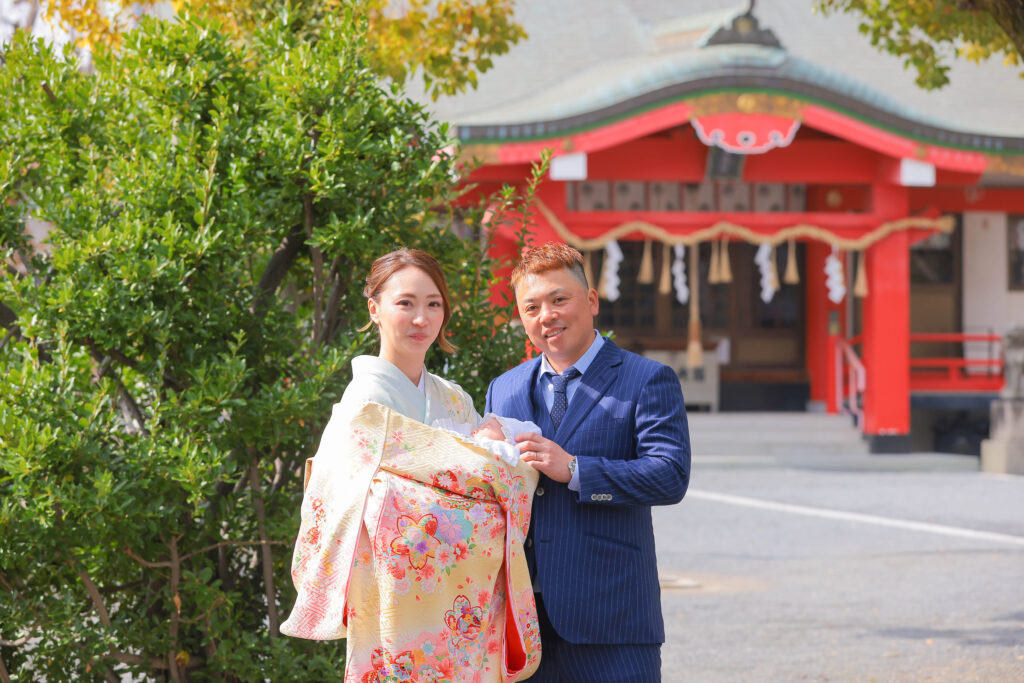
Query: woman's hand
[[545, 456]]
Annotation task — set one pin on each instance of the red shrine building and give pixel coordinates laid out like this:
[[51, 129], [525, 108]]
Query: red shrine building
[[771, 206]]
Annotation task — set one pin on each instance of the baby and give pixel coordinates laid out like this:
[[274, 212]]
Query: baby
[[495, 434]]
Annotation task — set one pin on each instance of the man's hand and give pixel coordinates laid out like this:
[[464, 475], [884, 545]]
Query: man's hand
[[544, 455]]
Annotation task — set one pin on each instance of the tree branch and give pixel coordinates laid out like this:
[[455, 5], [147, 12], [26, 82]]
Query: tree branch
[[125, 398], [13, 332], [1009, 16], [318, 268], [94, 594], [169, 379], [145, 563], [7, 315], [30, 20], [331, 314], [172, 655], [278, 267], [100, 607], [266, 555], [223, 544], [128, 658]]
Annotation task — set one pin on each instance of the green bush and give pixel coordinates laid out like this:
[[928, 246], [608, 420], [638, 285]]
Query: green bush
[[170, 361]]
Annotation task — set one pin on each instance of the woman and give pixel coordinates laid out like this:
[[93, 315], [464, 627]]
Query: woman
[[410, 545]]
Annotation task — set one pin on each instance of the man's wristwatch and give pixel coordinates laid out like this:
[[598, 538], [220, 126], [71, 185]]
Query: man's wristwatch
[[572, 466]]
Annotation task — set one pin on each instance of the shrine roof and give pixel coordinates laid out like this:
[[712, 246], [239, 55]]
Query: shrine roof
[[591, 61]]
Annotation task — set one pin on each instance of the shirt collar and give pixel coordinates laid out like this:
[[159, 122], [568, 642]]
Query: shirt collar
[[582, 364]]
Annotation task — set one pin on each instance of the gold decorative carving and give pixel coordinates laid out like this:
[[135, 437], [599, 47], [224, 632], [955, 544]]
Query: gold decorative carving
[[746, 103], [482, 153], [1005, 164]]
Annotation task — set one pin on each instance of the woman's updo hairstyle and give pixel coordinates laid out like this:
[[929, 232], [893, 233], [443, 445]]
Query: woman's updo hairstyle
[[390, 263]]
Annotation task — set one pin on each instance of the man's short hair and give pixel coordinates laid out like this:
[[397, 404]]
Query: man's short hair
[[548, 257]]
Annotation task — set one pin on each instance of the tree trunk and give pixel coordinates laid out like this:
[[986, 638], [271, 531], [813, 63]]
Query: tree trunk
[[1009, 15], [278, 266], [172, 655], [318, 268], [266, 555]]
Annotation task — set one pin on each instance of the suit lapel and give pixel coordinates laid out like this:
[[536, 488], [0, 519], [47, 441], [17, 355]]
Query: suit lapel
[[602, 371], [522, 392]]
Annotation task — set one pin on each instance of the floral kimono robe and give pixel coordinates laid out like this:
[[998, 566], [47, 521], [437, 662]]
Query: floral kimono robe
[[411, 540]]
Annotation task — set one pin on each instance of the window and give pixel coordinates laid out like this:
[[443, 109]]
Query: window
[[932, 261], [634, 309], [642, 310], [714, 299], [784, 311], [1015, 250], [710, 195]]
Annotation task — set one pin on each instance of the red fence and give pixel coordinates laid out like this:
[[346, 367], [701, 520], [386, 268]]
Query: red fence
[[978, 369]]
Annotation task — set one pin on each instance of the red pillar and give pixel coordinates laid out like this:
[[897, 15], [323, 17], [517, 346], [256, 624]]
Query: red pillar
[[886, 313], [819, 312]]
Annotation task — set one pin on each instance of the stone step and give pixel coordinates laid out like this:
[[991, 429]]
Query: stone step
[[774, 434], [764, 433], [784, 420], [702, 448]]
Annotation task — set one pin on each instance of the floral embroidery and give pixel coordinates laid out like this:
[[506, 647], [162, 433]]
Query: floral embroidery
[[319, 514], [417, 539], [390, 669], [423, 591], [444, 480], [463, 619]]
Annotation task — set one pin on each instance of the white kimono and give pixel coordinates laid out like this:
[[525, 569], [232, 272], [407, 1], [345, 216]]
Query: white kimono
[[375, 379]]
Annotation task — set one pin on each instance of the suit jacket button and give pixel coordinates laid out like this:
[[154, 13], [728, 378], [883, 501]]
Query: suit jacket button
[[540, 491], [593, 496], [529, 543]]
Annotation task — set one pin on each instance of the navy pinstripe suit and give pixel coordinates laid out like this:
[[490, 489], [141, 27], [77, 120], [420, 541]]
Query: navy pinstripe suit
[[594, 550]]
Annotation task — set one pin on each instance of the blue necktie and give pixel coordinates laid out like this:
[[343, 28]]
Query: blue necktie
[[561, 403]]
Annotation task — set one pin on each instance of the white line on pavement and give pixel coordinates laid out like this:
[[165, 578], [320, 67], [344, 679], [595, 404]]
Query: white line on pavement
[[857, 517]]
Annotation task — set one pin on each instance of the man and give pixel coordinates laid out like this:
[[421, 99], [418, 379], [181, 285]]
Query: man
[[614, 442]]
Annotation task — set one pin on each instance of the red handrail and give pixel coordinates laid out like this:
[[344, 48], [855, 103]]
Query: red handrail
[[957, 373], [954, 337], [856, 380], [955, 362], [848, 375]]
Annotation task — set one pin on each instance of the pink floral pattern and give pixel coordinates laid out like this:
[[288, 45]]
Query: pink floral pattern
[[417, 539], [464, 620], [421, 572]]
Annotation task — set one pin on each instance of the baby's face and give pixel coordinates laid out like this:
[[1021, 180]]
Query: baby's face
[[491, 429]]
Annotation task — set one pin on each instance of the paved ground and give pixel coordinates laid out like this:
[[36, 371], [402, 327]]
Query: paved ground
[[861, 568]]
